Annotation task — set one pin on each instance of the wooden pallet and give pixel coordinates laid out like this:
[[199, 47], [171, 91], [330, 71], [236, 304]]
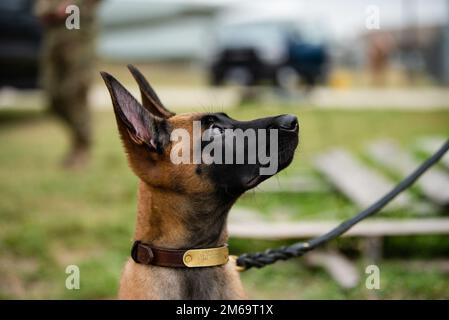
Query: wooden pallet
[[359, 183], [429, 145], [308, 229], [434, 184]]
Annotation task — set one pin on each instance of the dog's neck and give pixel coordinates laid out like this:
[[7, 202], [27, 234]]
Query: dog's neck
[[174, 220]]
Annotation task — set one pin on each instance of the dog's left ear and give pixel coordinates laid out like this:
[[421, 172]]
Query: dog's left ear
[[136, 124], [150, 100]]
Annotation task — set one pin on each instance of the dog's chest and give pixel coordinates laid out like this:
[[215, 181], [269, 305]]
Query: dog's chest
[[204, 283], [148, 282]]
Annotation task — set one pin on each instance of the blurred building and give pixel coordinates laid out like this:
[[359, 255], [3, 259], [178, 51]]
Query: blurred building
[[186, 30], [138, 30]]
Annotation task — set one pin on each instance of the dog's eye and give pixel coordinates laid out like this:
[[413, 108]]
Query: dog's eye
[[210, 119], [215, 128]]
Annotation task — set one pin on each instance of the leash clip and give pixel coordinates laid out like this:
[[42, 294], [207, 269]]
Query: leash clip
[[237, 267]]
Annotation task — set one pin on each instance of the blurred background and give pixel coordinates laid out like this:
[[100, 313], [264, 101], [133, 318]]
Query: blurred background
[[367, 79]]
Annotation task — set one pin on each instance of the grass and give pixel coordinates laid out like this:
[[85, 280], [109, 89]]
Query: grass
[[51, 218]]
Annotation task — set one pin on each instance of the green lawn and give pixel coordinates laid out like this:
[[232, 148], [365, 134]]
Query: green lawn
[[51, 218]]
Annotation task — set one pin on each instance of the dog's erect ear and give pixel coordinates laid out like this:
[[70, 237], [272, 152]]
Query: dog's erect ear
[[150, 100], [132, 118]]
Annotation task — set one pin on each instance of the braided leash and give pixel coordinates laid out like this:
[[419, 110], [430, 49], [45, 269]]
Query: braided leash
[[269, 256]]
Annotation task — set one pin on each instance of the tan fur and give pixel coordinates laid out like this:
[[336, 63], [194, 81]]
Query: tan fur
[[150, 282], [159, 201]]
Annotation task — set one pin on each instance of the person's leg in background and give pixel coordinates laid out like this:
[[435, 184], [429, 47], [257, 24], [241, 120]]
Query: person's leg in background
[[67, 68]]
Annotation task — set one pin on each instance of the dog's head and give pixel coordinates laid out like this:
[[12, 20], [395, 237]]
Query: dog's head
[[199, 153]]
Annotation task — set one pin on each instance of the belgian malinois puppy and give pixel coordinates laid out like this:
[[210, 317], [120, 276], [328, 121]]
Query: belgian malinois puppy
[[180, 249]]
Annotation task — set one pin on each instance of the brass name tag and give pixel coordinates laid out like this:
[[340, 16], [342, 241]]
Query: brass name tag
[[206, 257]]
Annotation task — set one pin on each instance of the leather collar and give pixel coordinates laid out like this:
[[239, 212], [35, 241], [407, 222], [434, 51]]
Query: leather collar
[[179, 258]]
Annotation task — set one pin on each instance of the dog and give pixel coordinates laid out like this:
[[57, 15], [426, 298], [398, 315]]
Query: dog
[[180, 249]]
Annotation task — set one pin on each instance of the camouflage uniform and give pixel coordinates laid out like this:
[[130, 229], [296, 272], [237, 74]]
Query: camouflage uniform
[[68, 58]]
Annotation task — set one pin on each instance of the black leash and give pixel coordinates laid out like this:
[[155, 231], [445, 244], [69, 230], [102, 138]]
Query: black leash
[[261, 259]]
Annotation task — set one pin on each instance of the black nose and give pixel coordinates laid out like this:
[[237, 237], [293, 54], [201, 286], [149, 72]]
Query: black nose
[[287, 122]]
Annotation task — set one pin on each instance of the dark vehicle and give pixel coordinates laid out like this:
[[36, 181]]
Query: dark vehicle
[[274, 53], [20, 39]]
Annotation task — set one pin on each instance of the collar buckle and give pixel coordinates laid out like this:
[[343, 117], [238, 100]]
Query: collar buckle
[[142, 253]]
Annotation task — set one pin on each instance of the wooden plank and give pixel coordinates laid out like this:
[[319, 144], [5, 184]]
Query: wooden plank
[[308, 229], [434, 184], [372, 249], [341, 269], [429, 145], [359, 183]]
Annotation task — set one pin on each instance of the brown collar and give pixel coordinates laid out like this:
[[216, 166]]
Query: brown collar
[[179, 258]]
